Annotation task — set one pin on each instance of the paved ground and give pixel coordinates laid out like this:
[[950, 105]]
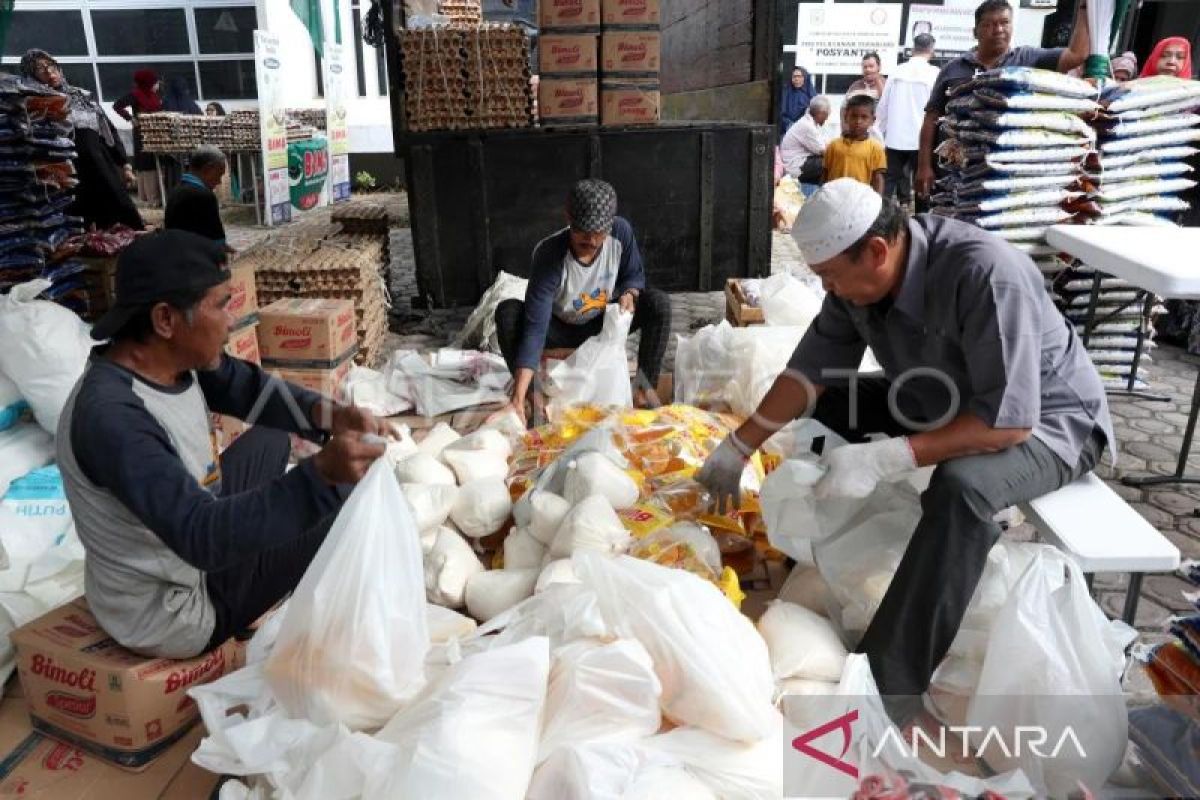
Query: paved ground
[[1150, 433]]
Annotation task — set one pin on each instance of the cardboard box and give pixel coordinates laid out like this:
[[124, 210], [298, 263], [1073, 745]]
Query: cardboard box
[[738, 311], [569, 101], [243, 343], [84, 688], [327, 381], [579, 15], [630, 102], [39, 767], [641, 13], [243, 302], [569, 54], [308, 333], [630, 54]]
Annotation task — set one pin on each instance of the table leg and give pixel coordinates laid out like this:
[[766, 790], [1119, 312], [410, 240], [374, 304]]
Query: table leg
[[1089, 322], [1132, 595], [1129, 391], [1179, 475], [158, 172]]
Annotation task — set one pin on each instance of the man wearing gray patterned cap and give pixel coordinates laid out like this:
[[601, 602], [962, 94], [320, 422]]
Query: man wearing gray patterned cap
[[575, 274]]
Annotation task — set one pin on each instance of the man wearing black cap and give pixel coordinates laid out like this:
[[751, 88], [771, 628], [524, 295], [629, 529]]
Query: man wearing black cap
[[575, 274], [185, 547]]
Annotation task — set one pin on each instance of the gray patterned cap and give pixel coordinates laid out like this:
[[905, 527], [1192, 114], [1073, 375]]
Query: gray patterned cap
[[592, 206]]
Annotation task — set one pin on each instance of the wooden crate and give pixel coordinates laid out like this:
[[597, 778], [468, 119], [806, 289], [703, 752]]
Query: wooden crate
[[737, 310]]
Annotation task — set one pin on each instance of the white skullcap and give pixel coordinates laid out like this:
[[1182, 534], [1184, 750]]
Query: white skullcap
[[837, 216]]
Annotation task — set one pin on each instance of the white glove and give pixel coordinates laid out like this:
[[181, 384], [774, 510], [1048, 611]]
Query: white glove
[[722, 471], [854, 469]]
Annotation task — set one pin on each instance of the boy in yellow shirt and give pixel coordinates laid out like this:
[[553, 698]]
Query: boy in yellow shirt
[[856, 155]]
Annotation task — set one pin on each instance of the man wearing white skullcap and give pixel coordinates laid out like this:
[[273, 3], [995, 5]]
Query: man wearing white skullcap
[[983, 377]]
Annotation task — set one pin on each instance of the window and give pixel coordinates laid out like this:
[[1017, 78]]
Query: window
[[58, 32], [229, 80], [356, 18], [80, 75], [155, 31], [116, 79], [226, 29]]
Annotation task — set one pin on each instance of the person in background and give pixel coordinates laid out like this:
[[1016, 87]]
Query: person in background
[[187, 547], [855, 154], [872, 81], [101, 166], [192, 205], [178, 99], [143, 99], [575, 274], [214, 109], [993, 36], [1172, 56], [796, 96], [803, 148], [980, 378], [1125, 67], [901, 110]]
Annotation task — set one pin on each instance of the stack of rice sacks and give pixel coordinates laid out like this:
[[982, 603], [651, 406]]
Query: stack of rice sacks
[[1016, 141], [1146, 131], [37, 181]]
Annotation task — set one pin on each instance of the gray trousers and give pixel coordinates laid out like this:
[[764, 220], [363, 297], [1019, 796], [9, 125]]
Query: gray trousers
[[924, 606]]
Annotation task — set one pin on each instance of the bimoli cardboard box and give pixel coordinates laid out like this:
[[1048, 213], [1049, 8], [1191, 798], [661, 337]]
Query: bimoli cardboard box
[[630, 54], [327, 381], [243, 344], [85, 689], [579, 15], [307, 332], [630, 102], [569, 54], [629, 12], [243, 301], [569, 101]]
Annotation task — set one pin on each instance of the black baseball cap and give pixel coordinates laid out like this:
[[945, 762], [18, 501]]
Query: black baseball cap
[[156, 266]]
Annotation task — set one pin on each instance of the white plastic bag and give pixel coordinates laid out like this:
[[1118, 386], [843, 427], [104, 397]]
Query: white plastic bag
[[482, 507], [714, 667], [560, 570], [368, 388], [449, 564], [491, 593], [1054, 661], [805, 587], [23, 448], [430, 503], [730, 770], [424, 468], [45, 351], [483, 454], [34, 517], [446, 625], [401, 446], [598, 692], [438, 439], [593, 473], [548, 511], [480, 328], [352, 645], [522, 551], [590, 525], [474, 733], [12, 405], [801, 643], [787, 301], [598, 373]]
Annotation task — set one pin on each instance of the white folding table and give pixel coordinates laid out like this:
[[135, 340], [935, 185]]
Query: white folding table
[[1161, 261]]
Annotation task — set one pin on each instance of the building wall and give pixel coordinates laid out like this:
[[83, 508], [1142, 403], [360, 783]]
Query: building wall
[[100, 43]]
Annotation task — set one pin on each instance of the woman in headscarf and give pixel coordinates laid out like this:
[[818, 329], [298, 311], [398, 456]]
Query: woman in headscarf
[[214, 109], [144, 99], [797, 94], [104, 173], [1171, 56]]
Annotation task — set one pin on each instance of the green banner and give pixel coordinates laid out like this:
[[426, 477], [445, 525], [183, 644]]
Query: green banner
[[309, 12]]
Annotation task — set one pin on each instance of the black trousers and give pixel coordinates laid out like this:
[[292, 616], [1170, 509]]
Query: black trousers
[[924, 606], [242, 593], [652, 317], [901, 167]]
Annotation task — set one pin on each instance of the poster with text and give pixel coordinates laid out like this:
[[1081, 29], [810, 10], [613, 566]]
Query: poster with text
[[832, 39], [952, 26], [336, 129], [272, 121]]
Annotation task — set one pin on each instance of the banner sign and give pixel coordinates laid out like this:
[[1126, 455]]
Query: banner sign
[[832, 39], [336, 129], [952, 26], [272, 120]]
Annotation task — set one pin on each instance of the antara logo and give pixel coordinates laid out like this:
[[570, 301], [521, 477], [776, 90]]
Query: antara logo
[[844, 724]]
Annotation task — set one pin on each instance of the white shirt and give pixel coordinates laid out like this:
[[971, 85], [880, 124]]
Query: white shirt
[[585, 290], [902, 107], [805, 138]]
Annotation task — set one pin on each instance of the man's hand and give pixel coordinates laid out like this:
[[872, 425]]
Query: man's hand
[[514, 406], [341, 419], [628, 301], [722, 472], [346, 458], [924, 180], [854, 469]]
